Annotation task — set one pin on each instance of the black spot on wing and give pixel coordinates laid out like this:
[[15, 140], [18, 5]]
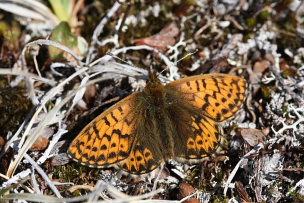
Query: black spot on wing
[[106, 121], [112, 115]]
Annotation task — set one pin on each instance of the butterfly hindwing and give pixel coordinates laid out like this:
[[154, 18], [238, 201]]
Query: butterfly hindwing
[[142, 160], [108, 138], [204, 139]]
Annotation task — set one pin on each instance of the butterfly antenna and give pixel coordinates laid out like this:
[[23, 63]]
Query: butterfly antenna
[[188, 54]]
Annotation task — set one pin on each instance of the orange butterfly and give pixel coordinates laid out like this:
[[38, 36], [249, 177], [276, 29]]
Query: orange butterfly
[[179, 121]]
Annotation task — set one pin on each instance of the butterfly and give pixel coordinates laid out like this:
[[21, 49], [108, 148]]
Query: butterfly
[[180, 120]]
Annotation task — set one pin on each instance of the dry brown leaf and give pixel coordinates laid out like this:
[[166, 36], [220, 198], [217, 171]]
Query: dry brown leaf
[[258, 68], [90, 93], [161, 41], [2, 142], [185, 190], [242, 192], [40, 144], [252, 136]]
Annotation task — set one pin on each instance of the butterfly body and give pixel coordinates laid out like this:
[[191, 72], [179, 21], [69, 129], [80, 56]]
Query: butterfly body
[[179, 120]]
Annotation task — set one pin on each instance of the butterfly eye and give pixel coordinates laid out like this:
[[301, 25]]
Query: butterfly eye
[[170, 101]]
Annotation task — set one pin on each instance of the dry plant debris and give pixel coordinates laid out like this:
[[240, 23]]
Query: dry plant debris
[[261, 158]]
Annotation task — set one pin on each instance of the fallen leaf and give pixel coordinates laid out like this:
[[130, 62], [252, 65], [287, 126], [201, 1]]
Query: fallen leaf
[[185, 190], [40, 144], [184, 8], [161, 41], [252, 136], [241, 190], [90, 93], [2, 142], [258, 69]]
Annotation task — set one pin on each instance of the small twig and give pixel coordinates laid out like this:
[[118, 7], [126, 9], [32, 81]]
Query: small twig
[[99, 30], [43, 175], [250, 108], [5, 71], [4, 176], [124, 19], [104, 21], [61, 131], [123, 2], [50, 43], [171, 65], [255, 150], [235, 23], [16, 178], [188, 197], [158, 176], [34, 182], [34, 51]]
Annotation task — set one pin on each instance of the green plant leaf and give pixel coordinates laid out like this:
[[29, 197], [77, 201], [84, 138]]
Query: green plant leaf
[[62, 9]]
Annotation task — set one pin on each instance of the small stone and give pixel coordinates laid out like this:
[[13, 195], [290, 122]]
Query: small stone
[[60, 159]]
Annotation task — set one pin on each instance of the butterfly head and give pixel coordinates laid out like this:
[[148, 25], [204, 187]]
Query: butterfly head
[[154, 89], [153, 82]]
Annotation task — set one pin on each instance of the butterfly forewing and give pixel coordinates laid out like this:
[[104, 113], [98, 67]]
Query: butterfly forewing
[[219, 96], [108, 138]]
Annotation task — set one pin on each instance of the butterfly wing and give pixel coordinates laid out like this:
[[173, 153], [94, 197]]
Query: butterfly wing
[[142, 160], [219, 96], [108, 139], [195, 135], [203, 140], [115, 137], [216, 97]]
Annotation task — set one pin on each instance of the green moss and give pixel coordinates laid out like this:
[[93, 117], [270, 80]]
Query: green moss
[[285, 109], [205, 185], [11, 33], [220, 200], [251, 22], [288, 26], [264, 15], [77, 174], [14, 106], [288, 73], [297, 197], [67, 173], [192, 176], [266, 91]]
